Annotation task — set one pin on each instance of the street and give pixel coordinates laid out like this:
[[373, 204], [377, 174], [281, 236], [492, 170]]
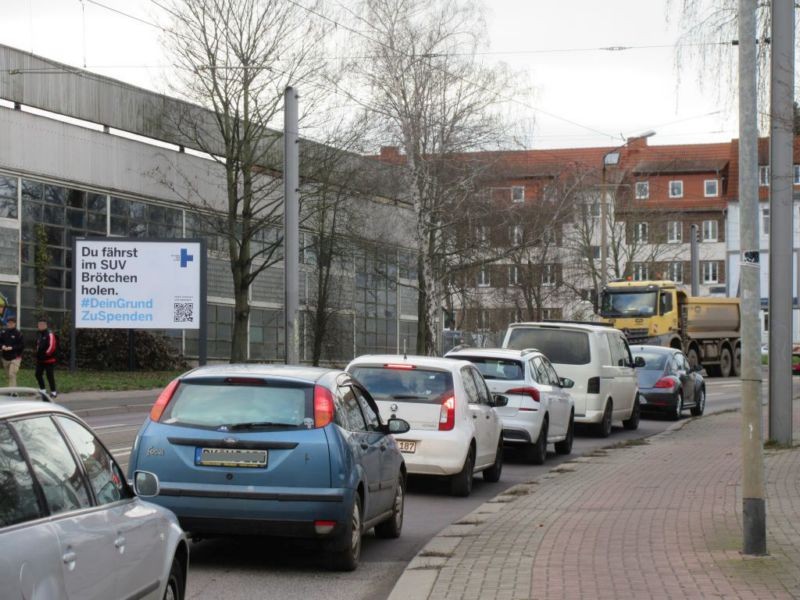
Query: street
[[244, 568]]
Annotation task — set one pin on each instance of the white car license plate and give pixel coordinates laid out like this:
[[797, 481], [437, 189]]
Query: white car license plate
[[406, 446], [230, 457]]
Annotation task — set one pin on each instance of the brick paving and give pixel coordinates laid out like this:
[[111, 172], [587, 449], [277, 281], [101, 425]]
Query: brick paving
[[656, 520]]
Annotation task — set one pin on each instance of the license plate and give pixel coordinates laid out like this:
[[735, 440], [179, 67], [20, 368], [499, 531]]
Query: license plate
[[407, 447], [230, 457]]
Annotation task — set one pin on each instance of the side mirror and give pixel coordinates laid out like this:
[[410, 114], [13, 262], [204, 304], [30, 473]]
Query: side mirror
[[639, 362], [398, 426], [498, 400], [566, 382], [145, 484]]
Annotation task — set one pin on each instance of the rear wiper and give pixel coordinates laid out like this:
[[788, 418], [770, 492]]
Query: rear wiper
[[258, 424]]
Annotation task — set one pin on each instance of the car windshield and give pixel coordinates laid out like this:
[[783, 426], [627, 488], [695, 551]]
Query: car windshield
[[653, 361], [628, 304], [497, 368], [416, 385], [272, 404], [561, 346]]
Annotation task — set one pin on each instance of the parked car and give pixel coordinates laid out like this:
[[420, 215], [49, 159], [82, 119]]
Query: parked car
[[540, 409], [667, 383], [70, 525], [455, 430], [278, 451], [597, 359]]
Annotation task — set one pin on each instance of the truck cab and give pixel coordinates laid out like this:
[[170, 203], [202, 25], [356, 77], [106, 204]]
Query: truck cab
[[648, 312]]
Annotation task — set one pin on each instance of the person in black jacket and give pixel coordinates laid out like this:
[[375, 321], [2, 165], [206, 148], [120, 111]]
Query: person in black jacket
[[46, 356], [11, 346]]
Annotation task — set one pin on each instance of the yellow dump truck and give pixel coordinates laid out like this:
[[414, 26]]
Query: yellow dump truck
[[662, 314]]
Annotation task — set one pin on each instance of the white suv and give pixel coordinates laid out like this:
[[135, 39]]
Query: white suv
[[455, 430], [540, 410], [597, 359]]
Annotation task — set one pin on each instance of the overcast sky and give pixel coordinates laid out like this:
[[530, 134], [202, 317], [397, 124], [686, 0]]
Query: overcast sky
[[583, 96]]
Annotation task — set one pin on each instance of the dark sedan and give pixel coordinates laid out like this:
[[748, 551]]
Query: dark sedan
[[667, 384]]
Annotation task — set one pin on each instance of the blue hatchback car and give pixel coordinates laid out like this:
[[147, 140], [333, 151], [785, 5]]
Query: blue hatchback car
[[276, 451]]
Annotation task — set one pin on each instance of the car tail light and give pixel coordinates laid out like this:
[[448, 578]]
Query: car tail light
[[324, 527], [401, 367], [531, 392], [323, 406], [163, 399], [447, 414], [665, 383], [593, 387]]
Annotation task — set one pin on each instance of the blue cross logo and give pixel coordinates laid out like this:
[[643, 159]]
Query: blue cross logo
[[186, 258]]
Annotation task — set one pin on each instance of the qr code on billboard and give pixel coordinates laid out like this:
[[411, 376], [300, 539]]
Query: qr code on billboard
[[183, 312]]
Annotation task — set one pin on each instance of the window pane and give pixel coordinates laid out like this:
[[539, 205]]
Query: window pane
[[58, 474], [18, 501], [104, 475]]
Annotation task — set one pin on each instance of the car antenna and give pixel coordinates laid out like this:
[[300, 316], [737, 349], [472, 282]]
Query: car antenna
[[405, 349]]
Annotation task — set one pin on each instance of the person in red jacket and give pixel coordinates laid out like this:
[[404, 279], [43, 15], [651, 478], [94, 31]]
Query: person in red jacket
[[46, 344]]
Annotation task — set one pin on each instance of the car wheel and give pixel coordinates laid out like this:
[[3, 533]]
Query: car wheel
[[632, 422], [536, 453], [700, 406], [677, 413], [565, 446], [492, 474], [737, 361], [461, 482], [346, 558], [175, 583], [391, 528], [725, 362], [603, 428]]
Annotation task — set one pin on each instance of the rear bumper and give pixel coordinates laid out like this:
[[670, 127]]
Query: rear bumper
[[523, 428], [437, 452], [234, 510], [657, 401], [592, 404]]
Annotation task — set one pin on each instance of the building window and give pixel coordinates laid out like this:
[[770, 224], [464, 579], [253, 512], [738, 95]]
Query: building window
[[8, 197], [594, 210], [763, 175], [549, 275], [710, 272], [595, 252], [517, 236], [711, 188], [640, 233], [550, 235], [551, 314], [513, 275], [641, 272], [482, 234], [797, 174], [674, 232], [642, 190], [518, 193], [676, 189], [710, 231], [676, 272], [483, 278], [765, 221]]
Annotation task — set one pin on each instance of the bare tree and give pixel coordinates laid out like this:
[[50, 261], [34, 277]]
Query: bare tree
[[435, 100], [234, 59]]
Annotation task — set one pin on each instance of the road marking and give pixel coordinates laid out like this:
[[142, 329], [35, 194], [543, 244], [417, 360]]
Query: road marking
[[109, 426], [123, 450]]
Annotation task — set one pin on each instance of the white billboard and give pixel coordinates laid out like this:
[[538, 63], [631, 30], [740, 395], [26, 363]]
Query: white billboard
[[137, 284]]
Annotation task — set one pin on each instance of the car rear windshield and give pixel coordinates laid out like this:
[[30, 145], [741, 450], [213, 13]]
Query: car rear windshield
[[414, 385], [214, 404], [653, 361], [497, 368], [561, 346]]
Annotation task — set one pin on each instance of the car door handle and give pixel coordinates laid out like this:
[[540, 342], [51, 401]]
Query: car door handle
[[69, 558], [119, 543], [383, 447], [364, 446]]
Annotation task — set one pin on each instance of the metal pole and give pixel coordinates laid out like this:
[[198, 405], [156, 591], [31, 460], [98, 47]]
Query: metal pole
[[291, 224], [202, 332], [694, 253], [780, 212], [753, 506], [73, 334], [603, 231]]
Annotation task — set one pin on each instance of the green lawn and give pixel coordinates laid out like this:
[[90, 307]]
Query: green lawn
[[84, 381]]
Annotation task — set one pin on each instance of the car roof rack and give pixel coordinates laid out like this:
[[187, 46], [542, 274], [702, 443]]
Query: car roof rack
[[566, 322], [18, 392], [525, 351]]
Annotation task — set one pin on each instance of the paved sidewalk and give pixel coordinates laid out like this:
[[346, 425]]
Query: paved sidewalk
[[657, 519]]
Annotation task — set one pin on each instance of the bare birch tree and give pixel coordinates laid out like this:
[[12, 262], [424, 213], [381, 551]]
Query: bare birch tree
[[234, 59], [435, 100]]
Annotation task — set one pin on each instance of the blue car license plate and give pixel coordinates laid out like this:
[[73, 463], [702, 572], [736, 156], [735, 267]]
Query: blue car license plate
[[230, 457]]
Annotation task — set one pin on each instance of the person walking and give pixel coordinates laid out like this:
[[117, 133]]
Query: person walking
[[46, 357], [11, 346]]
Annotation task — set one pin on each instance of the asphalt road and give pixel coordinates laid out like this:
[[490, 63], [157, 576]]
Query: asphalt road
[[253, 568]]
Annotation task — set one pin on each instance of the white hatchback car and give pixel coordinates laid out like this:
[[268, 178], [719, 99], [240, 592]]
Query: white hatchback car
[[540, 410], [597, 358], [455, 429]]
